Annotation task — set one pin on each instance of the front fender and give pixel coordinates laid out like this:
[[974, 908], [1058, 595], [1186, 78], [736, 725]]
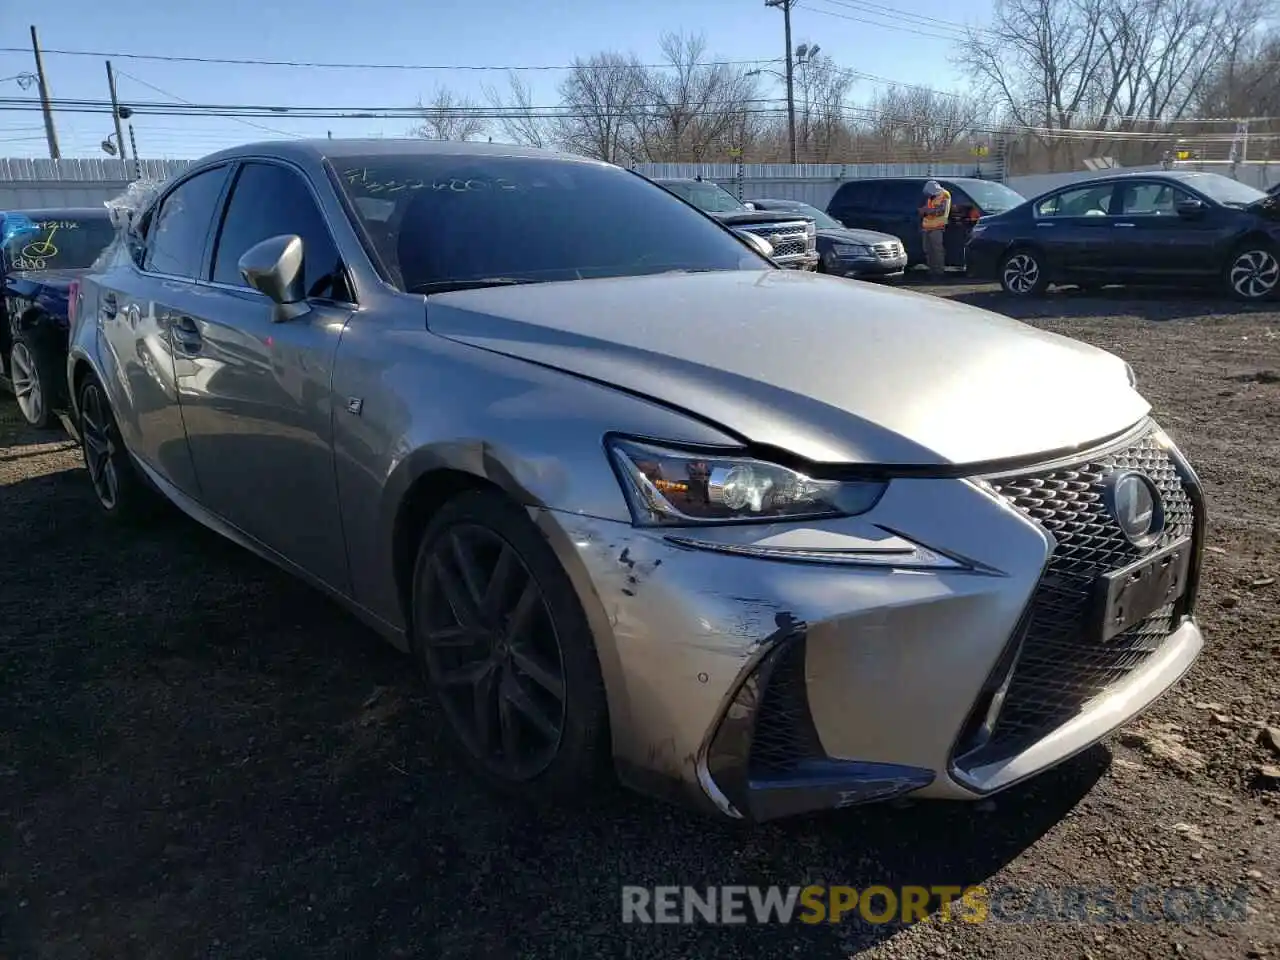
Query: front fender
[[411, 405]]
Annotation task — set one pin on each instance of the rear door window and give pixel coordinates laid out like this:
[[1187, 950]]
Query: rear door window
[[177, 235], [1088, 201], [860, 195], [899, 196]]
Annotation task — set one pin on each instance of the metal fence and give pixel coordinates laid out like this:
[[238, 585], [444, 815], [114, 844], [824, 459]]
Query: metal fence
[[27, 184], [812, 183]]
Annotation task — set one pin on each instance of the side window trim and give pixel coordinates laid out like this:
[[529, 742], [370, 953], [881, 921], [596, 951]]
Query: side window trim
[[224, 206], [155, 209]]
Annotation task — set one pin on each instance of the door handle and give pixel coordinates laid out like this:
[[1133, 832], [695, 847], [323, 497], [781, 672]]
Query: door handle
[[1044, 224], [1125, 224], [184, 334]]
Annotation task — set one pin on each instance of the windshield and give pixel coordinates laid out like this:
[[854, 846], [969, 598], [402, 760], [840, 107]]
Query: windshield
[[72, 243], [707, 197], [449, 220], [1231, 193], [992, 197], [823, 220]]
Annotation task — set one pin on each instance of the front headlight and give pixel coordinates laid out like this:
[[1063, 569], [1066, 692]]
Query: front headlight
[[666, 487], [810, 228], [851, 250]]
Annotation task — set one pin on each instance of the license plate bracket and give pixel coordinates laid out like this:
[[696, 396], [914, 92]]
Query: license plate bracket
[[1131, 594]]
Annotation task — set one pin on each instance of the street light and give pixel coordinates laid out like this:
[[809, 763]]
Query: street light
[[804, 56]]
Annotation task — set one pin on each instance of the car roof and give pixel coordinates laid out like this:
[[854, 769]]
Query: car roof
[[1175, 176], [338, 149], [71, 213]]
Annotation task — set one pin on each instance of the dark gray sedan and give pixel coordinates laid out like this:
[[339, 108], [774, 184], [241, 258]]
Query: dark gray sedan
[[845, 252], [629, 493]]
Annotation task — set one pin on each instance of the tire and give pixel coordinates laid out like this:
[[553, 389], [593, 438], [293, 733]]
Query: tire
[[120, 491], [34, 372], [530, 655], [1252, 274], [1022, 273]]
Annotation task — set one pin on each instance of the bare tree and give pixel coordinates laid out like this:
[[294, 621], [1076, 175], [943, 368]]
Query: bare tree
[[696, 110], [517, 117], [449, 116], [822, 124], [922, 123], [600, 100], [1092, 75]]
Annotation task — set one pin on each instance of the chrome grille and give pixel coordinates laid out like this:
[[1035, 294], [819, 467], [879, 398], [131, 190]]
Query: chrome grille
[[1061, 667], [889, 250], [789, 240]]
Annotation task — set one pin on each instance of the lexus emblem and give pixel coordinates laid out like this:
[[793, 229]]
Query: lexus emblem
[[1136, 504]]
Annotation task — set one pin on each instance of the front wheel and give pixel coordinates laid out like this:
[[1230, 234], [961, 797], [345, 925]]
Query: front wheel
[[1253, 273], [1022, 273], [34, 376], [504, 643]]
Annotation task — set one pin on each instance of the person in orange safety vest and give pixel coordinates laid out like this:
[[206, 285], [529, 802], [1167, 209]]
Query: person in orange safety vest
[[933, 225]]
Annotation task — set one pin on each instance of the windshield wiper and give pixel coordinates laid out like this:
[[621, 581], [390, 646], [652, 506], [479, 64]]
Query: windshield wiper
[[445, 286]]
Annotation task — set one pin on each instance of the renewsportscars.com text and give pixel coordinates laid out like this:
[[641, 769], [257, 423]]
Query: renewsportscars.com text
[[935, 904]]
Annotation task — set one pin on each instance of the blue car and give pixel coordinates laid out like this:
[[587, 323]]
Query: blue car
[[42, 254]]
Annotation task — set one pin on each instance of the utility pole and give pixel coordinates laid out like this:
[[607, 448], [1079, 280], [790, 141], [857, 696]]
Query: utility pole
[[115, 110], [785, 7], [50, 133]]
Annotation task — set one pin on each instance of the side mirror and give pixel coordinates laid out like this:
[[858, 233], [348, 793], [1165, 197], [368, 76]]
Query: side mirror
[[759, 243], [274, 267], [1190, 208]]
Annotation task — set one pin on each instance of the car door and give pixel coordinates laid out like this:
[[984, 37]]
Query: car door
[[1153, 241], [139, 296], [1074, 227], [258, 404], [897, 214], [959, 224]]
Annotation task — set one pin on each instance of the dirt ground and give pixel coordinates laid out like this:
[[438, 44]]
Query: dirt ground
[[200, 757]]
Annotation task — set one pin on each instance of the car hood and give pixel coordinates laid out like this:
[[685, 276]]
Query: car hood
[[829, 370], [847, 235], [738, 218]]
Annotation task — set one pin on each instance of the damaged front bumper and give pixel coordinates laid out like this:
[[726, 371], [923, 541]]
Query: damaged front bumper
[[759, 688]]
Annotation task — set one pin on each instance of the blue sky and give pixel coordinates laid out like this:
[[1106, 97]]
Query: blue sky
[[907, 45]]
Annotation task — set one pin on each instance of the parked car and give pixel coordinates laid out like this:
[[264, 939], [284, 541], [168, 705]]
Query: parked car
[[793, 238], [891, 205], [1166, 227], [844, 252], [627, 491], [42, 252]]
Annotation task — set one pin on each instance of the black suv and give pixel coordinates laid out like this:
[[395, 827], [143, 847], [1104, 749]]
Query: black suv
[[891, 205]]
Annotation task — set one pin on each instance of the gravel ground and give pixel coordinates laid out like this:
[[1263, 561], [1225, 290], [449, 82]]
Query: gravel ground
[[201, 757]]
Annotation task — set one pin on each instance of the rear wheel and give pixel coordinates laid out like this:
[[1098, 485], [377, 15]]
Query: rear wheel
[[33, 372], [1253, 272], [1022, 273], [120, 491], [503, 642]]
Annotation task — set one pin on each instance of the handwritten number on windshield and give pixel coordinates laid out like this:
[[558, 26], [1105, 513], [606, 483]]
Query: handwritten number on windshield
[[360, 176]]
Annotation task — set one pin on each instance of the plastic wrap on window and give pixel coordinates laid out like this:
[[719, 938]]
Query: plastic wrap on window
[[123, 211]]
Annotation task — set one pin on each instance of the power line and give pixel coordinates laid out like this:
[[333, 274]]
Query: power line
[[174, 96], [876, 23], [249, 61]]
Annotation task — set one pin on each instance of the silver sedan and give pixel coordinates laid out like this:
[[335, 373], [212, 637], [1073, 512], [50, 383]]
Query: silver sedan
[[632, 497]]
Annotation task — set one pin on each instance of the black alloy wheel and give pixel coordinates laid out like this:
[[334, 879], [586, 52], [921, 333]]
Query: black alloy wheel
[[120, 491], [505, 646]]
